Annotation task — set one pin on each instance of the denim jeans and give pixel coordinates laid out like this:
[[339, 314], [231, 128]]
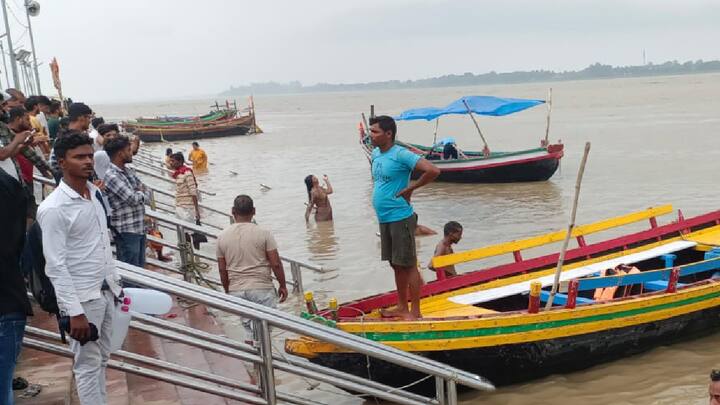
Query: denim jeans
[[131, 248], [12, 329]]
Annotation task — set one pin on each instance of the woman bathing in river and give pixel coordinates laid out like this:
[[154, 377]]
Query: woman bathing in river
[[318, 198]]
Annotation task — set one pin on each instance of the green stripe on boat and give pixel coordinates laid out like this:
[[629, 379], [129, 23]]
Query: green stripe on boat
[[456, 334]]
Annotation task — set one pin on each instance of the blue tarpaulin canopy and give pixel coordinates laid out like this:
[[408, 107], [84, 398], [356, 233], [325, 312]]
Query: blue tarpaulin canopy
[[482, 105]]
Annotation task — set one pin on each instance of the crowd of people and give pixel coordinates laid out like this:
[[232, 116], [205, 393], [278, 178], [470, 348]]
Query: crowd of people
[[99, 201]]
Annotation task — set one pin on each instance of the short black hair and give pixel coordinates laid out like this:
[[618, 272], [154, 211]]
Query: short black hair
[[178, 156], [77, 110], [15, 113], [451, 227], [168, 152], [64, 122], [97, 121], [115, 145], [43, 100], [55, 106], [386, 123], [70, 140], [715, 375], [195, 144], [31, 102], [105, 128], [243, 205]]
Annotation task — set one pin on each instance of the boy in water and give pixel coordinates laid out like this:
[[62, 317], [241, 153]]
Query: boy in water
[[453, 233]]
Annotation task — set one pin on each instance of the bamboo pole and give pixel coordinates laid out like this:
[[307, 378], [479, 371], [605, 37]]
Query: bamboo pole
[[437, 123], [486, 149], [571, 226], [549, 110]]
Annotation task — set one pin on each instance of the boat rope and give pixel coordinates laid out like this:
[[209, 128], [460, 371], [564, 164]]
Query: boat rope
[[192, 269]]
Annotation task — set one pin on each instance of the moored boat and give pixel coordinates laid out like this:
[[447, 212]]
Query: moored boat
[[537, 164], [484, 321], [230, 127]]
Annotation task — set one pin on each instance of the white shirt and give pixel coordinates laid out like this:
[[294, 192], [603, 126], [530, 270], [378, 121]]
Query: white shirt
[[76, 245], [94, 134], [43, 121], [102, 163], [9, 166]]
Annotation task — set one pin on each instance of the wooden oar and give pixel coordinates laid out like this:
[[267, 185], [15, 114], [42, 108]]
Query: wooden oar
[[486, 149], [571, 225]]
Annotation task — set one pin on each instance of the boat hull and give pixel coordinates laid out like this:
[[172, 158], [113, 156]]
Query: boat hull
[[190, 134], [521, 170], [513, 363]]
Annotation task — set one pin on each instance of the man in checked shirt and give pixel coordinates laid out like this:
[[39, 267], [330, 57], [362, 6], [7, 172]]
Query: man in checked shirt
[[127, 196]]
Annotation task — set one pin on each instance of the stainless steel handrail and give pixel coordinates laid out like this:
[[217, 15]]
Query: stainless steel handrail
[[291, 323]]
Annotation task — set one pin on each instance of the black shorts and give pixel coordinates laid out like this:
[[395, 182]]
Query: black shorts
[[397, 242]]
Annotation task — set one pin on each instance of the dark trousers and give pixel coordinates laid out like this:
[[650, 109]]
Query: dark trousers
[[131, 248]]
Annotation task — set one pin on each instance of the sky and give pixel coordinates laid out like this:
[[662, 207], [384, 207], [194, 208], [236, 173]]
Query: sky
[[134, 50]]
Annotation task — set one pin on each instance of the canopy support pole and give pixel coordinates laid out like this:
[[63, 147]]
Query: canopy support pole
[[571, 226], [437, 123], [547, 127], [486, 149]]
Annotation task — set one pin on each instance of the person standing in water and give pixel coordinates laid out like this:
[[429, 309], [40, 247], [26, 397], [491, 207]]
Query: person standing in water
[[318, 198], [198, 157]]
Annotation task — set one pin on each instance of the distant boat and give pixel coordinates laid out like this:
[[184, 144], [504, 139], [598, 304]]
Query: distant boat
[[220, 123], [537, 164]]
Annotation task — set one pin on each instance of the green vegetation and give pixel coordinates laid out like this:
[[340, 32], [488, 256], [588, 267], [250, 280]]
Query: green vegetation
[[595, 71]]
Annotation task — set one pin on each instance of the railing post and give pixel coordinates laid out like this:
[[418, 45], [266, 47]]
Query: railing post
[[267, 374], [296, 273], [517, 256], [440, 390], [451, 393]]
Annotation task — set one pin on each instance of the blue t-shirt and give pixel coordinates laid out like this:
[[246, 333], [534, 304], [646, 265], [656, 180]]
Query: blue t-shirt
[[391, 172]]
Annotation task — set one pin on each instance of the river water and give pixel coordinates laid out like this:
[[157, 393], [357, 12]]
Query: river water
[[653, 142]]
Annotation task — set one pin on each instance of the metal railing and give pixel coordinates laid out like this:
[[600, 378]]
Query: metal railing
[[167, 219], [264, 317]]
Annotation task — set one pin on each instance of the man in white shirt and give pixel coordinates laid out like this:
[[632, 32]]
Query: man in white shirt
[[101, 158], [79, 263], [95, 134]]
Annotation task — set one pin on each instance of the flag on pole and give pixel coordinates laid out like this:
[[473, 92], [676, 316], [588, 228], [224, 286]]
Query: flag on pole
[[55, 70]]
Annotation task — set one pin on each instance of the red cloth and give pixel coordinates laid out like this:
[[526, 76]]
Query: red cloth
[[26, 168], [181, 170]]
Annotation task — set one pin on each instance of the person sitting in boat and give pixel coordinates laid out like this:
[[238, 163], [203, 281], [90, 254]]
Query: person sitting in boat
[[318, 198], [450, 149], [608, 293]]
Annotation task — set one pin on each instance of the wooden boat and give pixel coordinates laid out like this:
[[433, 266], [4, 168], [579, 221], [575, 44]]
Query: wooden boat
[[180, 132], [537, 164], [170, 121], [483, 321]]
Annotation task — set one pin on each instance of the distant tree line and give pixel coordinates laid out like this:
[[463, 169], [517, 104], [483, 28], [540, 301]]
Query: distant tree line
[[594, 71]]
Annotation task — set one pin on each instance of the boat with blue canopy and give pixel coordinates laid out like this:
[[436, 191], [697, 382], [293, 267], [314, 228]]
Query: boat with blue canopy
[[486, 166]]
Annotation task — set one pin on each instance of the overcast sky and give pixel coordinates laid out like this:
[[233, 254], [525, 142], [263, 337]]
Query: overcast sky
[[164, 49]]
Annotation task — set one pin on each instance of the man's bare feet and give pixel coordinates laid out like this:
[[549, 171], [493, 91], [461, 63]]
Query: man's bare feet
[[398, 313]]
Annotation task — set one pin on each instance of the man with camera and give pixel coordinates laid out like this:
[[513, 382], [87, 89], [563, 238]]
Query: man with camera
[[79, 263]]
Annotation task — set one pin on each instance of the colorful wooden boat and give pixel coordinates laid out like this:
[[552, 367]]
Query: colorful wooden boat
[[537, 164], [480, 321]]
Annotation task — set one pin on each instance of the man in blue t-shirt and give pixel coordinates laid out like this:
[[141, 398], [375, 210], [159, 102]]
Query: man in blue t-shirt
[[391, 169]]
